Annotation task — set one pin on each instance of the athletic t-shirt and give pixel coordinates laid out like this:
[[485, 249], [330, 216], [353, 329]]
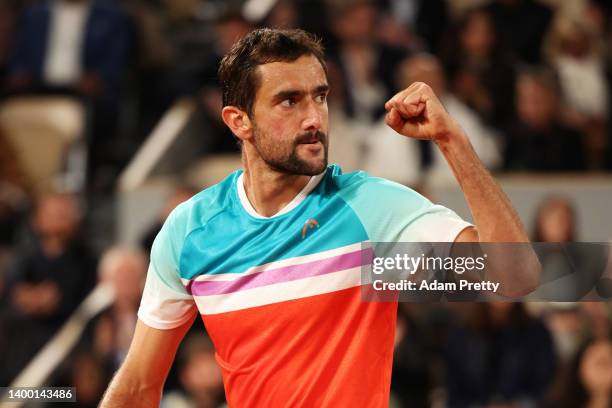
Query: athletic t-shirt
[[280, 296]]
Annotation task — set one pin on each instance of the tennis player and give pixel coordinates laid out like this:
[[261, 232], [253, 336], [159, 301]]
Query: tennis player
[[270, 257]]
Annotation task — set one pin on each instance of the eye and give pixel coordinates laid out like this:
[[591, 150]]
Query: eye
[[321, 98], [289, 102]]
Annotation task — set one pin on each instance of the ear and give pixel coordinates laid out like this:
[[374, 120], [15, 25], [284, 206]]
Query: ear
[[238, 121]]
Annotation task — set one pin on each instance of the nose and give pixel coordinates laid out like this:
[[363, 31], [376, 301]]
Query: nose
[[313, 117]]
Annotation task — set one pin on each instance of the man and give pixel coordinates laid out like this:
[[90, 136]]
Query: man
[[383, 145], [538, 140], [271, 256], [77, 45], [50, 275]]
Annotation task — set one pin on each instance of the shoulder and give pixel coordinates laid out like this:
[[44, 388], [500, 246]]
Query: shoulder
[[392, 212], [202, 207], [361, 186]]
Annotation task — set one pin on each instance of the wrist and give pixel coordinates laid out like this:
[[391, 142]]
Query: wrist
[[453, 137]]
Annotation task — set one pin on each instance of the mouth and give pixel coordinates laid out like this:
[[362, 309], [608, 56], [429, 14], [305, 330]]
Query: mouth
[[311, 146], [310, 141]]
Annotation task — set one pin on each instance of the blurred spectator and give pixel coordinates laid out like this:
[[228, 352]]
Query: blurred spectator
[[366, 65], [199, 376], [78, 47], [76, 44], [13, 194], [14, 200], [418, 364], [537, 140], [597, 317], [7, 29], [392, 32], [50, 278], [426, 18], [154, 49], [568, 266], [564, 321], [178, 196], [555, 221], [385, 146], [480, 68], [190, 40], [502, 356], [228, 29], [314, 17], [588, 382], [89, 378], [522, 26], [483, 138], [124, 270], [284, 14], [154, 58], [55, 271], [577, 55], [347, 143], [570, 270], [107, 337], [201, 49]]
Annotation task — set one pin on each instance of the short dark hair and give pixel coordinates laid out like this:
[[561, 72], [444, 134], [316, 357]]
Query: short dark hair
[[237, 71]]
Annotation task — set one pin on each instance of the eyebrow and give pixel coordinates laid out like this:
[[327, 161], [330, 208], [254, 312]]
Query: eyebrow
[[292, 93]]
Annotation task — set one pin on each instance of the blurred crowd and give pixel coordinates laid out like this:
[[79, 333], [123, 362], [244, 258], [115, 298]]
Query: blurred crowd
[[497, 354], [528, 80]]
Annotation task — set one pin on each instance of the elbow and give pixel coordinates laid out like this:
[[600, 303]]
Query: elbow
[[525, 279]]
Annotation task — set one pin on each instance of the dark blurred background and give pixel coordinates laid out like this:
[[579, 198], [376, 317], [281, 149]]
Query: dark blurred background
[[109, 117]]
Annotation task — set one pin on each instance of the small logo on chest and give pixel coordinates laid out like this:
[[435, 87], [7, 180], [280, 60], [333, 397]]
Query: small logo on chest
[[310, 224]]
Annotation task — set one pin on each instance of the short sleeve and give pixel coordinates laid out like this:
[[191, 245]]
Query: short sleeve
[[165, 302], [391, 212], [435, 224]]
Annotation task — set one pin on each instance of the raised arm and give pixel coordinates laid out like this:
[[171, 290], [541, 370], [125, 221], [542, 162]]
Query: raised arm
[[140, 380], [416, 112]]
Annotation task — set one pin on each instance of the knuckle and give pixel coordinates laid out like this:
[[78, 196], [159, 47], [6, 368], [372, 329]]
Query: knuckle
[[424, 87]]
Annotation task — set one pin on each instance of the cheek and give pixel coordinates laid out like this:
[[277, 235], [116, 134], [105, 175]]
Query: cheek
[[278, 132]]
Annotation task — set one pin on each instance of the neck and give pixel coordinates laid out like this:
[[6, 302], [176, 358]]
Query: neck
[[269, 190]]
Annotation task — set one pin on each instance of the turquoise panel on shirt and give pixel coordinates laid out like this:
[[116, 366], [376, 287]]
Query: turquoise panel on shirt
[[385, 208], [232, 241]]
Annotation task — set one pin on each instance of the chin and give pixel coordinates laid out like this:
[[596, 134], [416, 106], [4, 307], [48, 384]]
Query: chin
[[311, 168], [317, 164]]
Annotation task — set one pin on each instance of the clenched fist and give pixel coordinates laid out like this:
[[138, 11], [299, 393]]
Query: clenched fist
[[417, 112]]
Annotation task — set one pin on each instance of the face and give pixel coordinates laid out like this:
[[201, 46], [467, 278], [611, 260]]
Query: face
[[422, 69], [596, 367], [535, 103], [229, 32], [57, 216], [202, 373], [126, 276], [357, 24], [556, 222], [290, 118], [478, 35]]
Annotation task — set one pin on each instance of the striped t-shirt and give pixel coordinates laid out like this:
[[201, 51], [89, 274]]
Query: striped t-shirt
[[280, 296]]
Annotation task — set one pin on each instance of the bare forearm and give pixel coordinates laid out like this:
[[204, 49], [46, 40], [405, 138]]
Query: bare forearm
[[515, 266], [140, 380], [493, 214], [417, 112], [124, 393]]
